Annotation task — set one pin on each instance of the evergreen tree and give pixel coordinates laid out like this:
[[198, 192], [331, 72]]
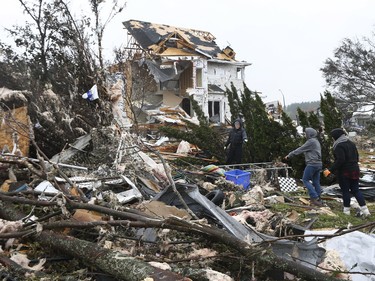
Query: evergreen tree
[[257, 125], [303, 119], [289, 137], [314, 121], [289, 128], [233, 101], [290, 140], [332, 119], [268, 140]]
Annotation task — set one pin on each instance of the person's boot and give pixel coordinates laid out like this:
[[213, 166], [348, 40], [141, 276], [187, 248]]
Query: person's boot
[[346, 211], [316, 202], [365, 212]]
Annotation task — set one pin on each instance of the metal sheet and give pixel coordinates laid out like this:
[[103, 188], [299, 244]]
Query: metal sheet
[[306, 252]]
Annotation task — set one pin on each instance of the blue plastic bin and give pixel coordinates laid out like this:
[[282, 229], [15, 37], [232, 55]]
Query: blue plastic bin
[[239, 177]]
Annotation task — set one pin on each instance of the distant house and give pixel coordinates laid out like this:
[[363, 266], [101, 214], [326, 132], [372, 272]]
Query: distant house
[[186, 62], [363, 115], [274, 109]]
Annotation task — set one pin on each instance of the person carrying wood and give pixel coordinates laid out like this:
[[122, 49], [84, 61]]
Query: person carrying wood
[[346, 169]]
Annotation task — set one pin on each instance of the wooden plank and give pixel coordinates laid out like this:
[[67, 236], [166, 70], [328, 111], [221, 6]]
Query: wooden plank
[[304, 201]]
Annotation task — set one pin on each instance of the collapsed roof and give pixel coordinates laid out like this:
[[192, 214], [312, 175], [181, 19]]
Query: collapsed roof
[[168, 40]]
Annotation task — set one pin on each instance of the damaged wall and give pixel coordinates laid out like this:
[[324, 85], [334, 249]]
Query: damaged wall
[[203, 73], [222, 74], [170, 99]]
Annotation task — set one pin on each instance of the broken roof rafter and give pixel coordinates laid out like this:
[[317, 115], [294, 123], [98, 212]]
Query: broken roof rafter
[[133, 46], [176, 36]]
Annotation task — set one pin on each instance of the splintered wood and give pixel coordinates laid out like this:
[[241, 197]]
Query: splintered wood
[[14, 131]]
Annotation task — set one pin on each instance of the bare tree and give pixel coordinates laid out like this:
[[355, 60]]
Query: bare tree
[[61, 51], [351, 72], [117, 7]]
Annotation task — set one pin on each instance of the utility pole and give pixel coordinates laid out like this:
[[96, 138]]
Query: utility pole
[[283, 98]]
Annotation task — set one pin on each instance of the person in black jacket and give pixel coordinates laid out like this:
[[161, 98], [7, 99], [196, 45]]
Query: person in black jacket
[[346, 169], [237, 136]]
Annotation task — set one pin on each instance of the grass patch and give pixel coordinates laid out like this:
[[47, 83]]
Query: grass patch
[[339, 220]]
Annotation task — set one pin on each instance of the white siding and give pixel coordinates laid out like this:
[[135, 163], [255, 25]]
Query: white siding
[[222, 74]]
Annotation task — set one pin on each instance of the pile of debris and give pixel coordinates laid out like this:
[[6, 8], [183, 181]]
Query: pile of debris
[[112, 207]]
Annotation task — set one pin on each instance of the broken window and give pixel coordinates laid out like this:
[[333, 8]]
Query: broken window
[[186, 105], [199, 78]]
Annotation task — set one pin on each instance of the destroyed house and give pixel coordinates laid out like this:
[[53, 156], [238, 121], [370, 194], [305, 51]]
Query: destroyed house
[[186, 63]]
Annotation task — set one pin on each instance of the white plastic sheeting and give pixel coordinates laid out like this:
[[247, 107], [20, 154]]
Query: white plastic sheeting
[[183, 147], [47, 187], [356, 250]]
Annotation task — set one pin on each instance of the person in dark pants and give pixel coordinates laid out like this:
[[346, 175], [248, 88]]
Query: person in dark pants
[[313, 159], [237, 136], [346, 169]]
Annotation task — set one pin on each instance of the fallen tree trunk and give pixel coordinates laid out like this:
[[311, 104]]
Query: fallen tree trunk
[[115, 263]]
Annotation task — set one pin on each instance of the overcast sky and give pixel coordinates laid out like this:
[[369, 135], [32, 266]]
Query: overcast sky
[[286, 41]]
